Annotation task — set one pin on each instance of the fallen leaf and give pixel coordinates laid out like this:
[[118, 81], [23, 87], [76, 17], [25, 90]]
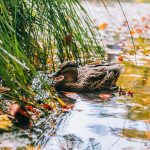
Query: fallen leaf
[[130, 93], [102, 26], [30, 108], [120, 58], [47, 106], [105, 96], [5, 123], [132, 32], [139, 30], [72, 95], [147, 134], [67, 108], [146, 121]]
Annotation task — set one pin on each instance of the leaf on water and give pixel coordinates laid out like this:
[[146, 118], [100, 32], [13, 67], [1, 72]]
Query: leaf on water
[[103, 26], [105, 96], [120, 58], [5, 123], [67, 108], [139, 30], [147, 134], [132, 32], [72, 95], [147, 121]]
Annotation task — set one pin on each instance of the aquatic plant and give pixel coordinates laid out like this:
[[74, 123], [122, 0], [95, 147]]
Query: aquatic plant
[[38, 35]]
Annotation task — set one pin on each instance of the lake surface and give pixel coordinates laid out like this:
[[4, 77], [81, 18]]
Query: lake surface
[[116, 123]]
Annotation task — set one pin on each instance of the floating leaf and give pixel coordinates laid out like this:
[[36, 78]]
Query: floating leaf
[[102, 26], [72, 95], [120, 58], [132, 32], [67, 108], [105, 96], [139, 30]]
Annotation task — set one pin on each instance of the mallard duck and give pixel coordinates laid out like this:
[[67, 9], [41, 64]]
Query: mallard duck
[[88, 78]]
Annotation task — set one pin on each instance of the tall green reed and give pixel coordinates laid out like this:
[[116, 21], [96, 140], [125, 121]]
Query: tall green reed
[[34, 31]]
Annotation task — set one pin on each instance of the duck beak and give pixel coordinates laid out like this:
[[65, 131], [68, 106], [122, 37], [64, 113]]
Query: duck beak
[[55, 74]]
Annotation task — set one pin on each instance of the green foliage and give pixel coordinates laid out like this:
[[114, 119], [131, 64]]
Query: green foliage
[[31, 31]]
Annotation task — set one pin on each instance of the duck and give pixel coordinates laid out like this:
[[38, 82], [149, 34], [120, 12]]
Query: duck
[[88, 78]]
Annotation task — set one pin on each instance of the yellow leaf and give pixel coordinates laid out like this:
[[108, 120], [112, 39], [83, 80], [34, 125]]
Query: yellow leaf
[[33, 148], [5, 123]]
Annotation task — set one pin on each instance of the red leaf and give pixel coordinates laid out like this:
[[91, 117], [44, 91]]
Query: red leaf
[[120, 58], [47, 106], [30, 108], [130, 93], [66, 108]]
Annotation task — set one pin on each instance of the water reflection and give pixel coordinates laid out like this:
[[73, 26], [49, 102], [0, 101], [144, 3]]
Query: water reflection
[[120, 123]]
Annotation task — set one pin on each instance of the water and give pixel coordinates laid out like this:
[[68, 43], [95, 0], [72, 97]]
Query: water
[[95, 124], [118, 123], [122, 122]]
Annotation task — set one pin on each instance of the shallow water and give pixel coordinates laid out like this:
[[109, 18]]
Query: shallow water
[[122, 122], [119, 123]]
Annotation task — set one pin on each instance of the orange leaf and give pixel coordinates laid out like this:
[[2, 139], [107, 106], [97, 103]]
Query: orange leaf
[[105, 96], [30, 108], [139, 30], [120, 58], [67, 108], [132, 32], [47, 106], [103, 26]]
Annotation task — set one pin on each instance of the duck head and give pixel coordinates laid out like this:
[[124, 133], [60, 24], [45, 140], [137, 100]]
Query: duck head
[[69, 70]]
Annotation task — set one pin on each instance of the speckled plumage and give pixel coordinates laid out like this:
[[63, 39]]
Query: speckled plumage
[[91, 78]]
